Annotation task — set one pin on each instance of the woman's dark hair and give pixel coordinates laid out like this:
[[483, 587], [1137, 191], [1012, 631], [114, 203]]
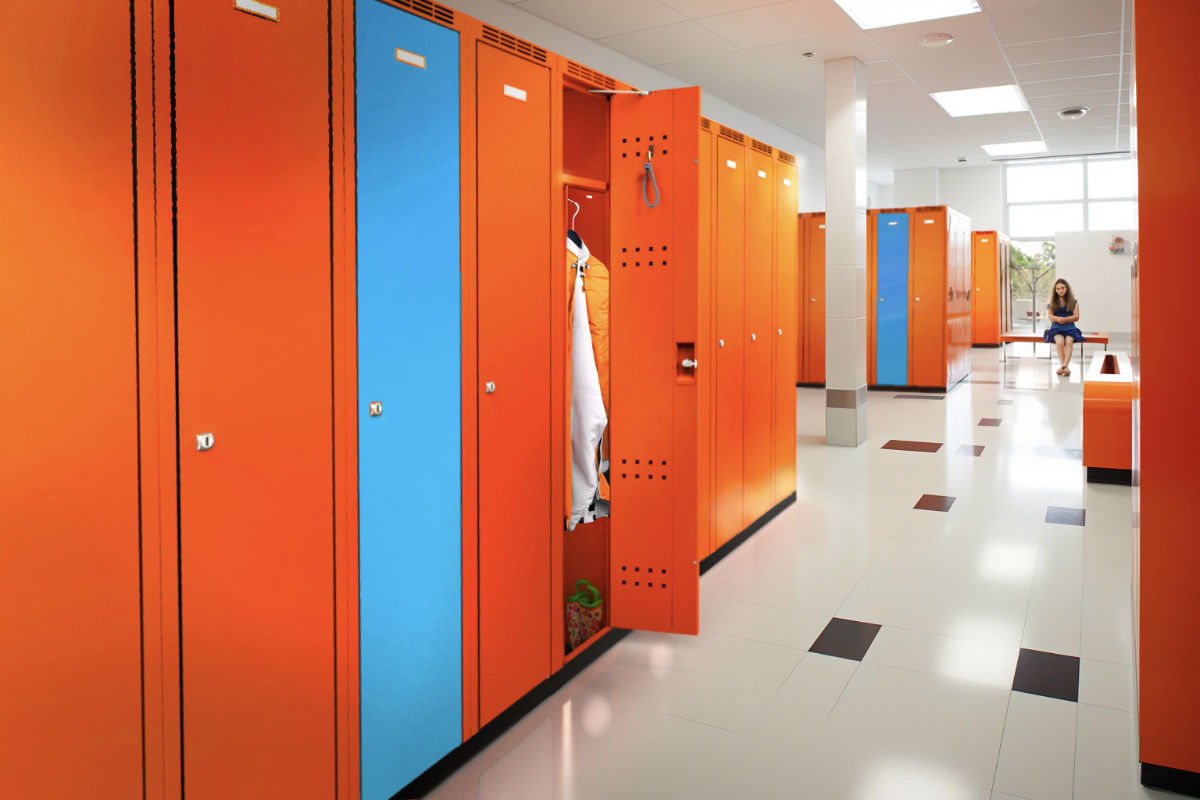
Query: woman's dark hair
[[1068, 299]]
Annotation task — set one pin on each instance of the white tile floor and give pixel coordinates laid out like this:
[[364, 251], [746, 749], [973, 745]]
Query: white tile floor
[[745, 711]]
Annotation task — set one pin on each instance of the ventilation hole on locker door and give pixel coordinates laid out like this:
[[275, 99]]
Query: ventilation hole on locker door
[[637, 249], [664, 137], [624, 249], [623, 475], [652, 138], [663, 585], [637, 461], [664, 152], [638, 153], [624, 141], [664, 462], [623, 568], [637, 476], [663, 571], [651, 264], [624, 155], [624, 583], [637, 583], [624, 461], [637, 263], [664, 247], [650, 477], [638, 139], [651, 461], [651, 584], [664, 477]]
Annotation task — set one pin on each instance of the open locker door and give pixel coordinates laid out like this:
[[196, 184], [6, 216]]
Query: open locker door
[[659, 354]]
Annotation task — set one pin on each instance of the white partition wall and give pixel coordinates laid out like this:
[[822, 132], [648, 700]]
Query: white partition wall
[[1099, 278]]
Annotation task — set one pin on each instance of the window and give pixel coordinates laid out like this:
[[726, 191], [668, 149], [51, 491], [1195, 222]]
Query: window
[[1042, 182], [1043, 220]]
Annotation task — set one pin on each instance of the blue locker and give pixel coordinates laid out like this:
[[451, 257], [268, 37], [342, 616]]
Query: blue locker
[[891, 302], [409, 359]]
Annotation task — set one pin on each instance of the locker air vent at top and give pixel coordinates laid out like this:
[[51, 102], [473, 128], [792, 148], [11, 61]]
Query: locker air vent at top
[[510, 42], [732, 135], [705, 123], [434, 11], [590, 76], [762, 147], [787, 158]]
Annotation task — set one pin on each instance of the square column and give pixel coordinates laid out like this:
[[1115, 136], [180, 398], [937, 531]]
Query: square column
[[845, 252]]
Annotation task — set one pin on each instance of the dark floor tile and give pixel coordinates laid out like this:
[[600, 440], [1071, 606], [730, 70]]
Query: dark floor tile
[[916, 447], [1047, 674], [845, 638], [969, 450], [990, 422], [934, 502], [1004, 402], [1065, 516], [996, 383], [920, 397]]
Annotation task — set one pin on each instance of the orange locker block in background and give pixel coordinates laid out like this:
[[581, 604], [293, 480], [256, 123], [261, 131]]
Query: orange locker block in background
[[989, 263], [787, 329], [71, 663], [811, 299]]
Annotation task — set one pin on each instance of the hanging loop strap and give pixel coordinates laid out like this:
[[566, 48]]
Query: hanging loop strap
[[648, 178]]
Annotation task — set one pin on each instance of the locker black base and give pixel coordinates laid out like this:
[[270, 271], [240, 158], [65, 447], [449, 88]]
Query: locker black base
[[1121, 477], [988, 344], [1171, 779], [750, 530], [453, 761], [817, 385]]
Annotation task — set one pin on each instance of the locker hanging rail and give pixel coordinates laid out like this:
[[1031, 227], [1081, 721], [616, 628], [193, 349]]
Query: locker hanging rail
[[641, 92]]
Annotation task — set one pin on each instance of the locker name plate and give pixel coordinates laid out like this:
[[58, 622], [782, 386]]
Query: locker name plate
[[257, 9], [515, 93], [731, 163], [405, 57]]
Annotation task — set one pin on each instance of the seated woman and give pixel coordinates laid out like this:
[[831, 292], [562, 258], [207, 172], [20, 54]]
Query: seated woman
[[1064, 311]]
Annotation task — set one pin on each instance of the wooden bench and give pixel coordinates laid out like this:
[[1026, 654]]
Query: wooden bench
[[1092, 337]]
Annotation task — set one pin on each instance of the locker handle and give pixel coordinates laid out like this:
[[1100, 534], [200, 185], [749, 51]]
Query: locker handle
[[490, 387], [813, 300], [781, 331], [688, 363], [205, 441], [753, 338], [720, 342]]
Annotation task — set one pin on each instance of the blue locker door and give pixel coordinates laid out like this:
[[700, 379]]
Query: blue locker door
[[891, 300], [409, 355]]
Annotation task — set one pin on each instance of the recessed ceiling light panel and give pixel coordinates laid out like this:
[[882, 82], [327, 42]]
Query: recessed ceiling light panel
[[1015, 148], [885, 13], [987, 100]]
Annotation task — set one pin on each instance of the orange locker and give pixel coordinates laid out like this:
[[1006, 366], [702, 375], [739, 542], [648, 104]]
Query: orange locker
[[71, 664], [783, 374], [514, 307], [811, 299], [989, 257], [758, 336], [256, 449], [730, 268], [706, 541], [938, 308]]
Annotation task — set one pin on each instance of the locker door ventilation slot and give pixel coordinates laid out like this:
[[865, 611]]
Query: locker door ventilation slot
[[643, 577], [732, 135], [644, 257], [434, 11], [590, 76], [509, 42], [705, 124], [787, 158], [643, 469], [762, 147]]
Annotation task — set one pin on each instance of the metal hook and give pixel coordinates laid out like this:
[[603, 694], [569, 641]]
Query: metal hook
[[576, 214]]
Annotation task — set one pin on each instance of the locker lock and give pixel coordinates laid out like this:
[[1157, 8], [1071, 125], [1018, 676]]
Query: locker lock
[[753, 338], [813, 300], [205, 441], [720, 342], [781, 331], [918, 299], [375, 409], [490, 387]]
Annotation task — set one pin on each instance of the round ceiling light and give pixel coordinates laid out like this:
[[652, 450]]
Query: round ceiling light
[[1075, 112], [935, 39]]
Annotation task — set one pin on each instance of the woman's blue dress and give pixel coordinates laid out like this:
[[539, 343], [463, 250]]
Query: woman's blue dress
[[1068, 329]]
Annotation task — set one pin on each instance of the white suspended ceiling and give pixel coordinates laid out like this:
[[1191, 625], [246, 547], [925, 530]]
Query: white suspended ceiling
[[1061, 53]]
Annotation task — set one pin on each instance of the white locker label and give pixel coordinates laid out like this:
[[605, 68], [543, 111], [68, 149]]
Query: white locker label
[[985, 241], [515, 93], [928, 222], [762, 174], [257, 9], [406, 57], [893, 223], [731, 164], [787, 181], [822, 227]]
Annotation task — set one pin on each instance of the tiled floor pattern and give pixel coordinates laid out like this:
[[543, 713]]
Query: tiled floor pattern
[[985, 614]]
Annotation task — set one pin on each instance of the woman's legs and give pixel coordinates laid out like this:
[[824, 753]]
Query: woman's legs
[[1069, 350], [1063, 358]]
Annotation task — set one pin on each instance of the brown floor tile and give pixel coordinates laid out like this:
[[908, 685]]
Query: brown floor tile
[[990, 422], [934, 502], [845, 638], [1047, 674], [916, 447]]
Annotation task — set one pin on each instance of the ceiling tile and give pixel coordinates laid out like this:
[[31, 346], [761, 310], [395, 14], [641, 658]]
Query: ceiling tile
[[974, 47], [1037, 23], [1055, 102], [1078, 68], [995, 5], [938, 81], [1104, 44], [674, 42], [596, 20], [763, 88], [789, 57], [1070, 86], [706, 8], [778, 23], [900, 88], [885, 70], [720, 69]]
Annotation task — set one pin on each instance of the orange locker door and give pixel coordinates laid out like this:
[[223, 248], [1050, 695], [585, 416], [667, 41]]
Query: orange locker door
[[801, 295], [255, 402], [759, 335], [516, 517], [814, 263], [730, 333], [985, 306], [706, 537], [71, 707], [783, 375], [659, 362], [928, 299]]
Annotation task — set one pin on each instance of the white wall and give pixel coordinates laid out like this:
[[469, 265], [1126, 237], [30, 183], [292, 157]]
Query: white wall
[[880, 195], [916, 187], [1099, 279], [810, 158], [977, 192]]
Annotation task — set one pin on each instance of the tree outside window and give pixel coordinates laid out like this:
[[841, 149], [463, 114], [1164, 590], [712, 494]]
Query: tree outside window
[[1032, 275]]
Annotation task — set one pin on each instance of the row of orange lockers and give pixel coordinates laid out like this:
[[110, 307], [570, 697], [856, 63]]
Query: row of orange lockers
[[984, 292]]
